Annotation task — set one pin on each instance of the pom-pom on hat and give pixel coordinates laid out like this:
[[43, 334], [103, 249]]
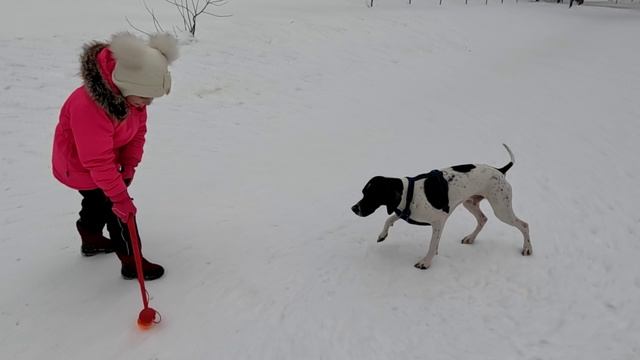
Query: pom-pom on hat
[[142, 67]]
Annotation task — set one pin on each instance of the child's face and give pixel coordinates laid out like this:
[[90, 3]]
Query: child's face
[[139, 101]]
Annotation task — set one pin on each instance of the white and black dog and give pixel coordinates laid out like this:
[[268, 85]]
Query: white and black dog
[[436, 195]]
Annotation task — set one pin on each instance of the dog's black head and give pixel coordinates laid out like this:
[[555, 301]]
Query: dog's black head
[[379, 191]]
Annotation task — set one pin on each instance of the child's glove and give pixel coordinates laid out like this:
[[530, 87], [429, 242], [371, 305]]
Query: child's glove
[[123, 206]]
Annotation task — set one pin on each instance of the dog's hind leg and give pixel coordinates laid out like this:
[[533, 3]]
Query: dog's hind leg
[[502, 207], [472, 204], [387, 224], [433, 246]]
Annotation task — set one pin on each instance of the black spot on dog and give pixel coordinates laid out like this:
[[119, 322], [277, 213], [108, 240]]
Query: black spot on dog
[[463, 168], [436, 188]]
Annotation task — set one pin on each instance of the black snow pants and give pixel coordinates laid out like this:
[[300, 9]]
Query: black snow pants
[[96, 212]]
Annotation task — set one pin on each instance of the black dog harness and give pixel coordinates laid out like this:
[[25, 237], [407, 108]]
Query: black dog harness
[[406, 213]]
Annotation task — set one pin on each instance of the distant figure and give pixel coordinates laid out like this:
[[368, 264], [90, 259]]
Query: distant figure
[[99, 139], [580, 2]]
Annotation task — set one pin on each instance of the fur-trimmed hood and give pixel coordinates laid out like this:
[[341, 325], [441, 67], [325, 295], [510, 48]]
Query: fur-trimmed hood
[[96, 68]]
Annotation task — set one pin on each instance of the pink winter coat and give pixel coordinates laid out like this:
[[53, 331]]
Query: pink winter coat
[[98, 132]]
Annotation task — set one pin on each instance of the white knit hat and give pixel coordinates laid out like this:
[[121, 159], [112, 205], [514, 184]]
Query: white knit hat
[[142, 67]]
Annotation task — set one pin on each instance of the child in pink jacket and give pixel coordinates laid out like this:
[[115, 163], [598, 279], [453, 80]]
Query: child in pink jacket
[[100, 137]]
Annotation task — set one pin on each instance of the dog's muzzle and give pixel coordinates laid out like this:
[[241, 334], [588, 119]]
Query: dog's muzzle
[[357, 209]]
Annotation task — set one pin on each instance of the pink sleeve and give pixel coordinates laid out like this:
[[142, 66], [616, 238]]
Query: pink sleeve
[[93, 133], [131, 154]]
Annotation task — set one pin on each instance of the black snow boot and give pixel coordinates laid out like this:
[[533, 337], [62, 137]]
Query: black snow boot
[[150, 270], [93, 243]]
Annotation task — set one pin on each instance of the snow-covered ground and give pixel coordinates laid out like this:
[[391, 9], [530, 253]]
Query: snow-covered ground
[[278, 116]]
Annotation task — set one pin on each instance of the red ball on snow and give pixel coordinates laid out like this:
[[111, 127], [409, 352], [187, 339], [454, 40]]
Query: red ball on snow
[[147, 317]]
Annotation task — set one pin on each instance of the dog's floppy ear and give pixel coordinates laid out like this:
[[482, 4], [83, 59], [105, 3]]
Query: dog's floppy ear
[[392, 208], [395, 195]]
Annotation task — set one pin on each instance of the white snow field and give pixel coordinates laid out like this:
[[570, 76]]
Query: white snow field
[[278, 116]]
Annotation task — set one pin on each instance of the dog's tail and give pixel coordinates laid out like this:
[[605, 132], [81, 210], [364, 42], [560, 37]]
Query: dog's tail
[[506, 168]]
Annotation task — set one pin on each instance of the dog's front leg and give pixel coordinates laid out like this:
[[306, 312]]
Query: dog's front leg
[[387, 224], [433, 247]]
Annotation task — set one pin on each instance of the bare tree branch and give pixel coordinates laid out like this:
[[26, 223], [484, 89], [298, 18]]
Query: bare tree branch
[[136, 28], [216, 15], [156, 22], [189, 11]]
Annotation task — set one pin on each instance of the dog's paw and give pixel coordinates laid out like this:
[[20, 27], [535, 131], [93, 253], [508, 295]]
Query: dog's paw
[[468, 240], [422, 265], [527, 251], [382, 237]]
